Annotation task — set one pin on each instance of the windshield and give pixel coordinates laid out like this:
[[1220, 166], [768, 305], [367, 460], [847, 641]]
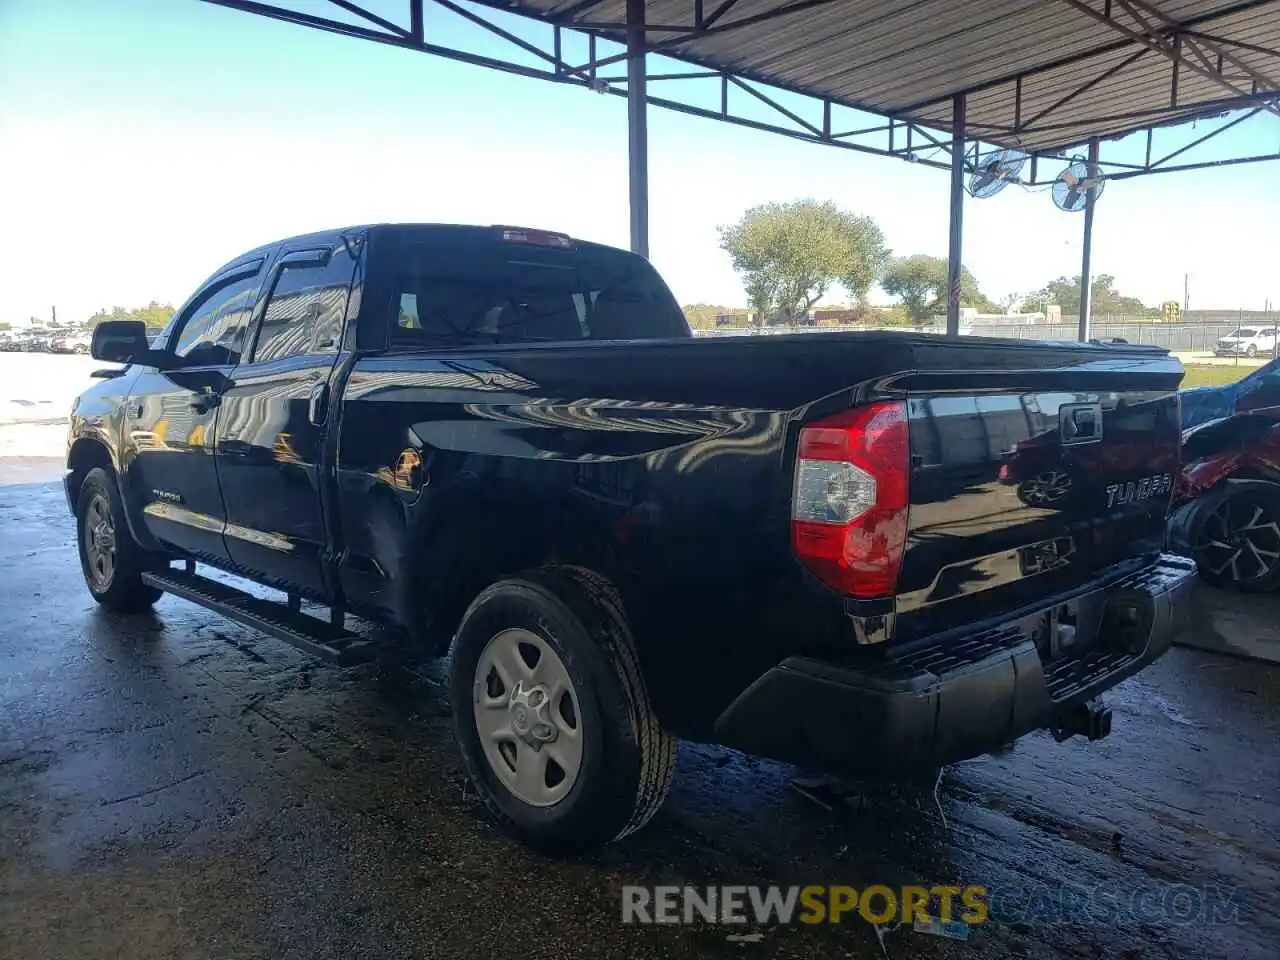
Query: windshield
[[1245, 332], [485, 291]]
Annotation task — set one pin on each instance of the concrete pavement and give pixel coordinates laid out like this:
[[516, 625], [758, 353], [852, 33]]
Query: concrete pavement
[[173, 785]]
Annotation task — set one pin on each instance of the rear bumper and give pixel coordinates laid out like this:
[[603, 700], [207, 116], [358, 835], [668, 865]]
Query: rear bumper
[[946, 703]]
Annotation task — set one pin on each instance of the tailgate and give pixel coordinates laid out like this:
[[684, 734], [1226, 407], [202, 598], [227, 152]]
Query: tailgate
[[1022, 493]]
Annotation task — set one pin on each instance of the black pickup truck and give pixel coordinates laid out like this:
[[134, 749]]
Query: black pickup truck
[[864, 553]]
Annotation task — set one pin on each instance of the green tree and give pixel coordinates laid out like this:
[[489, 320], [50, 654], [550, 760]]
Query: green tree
[[790, 255], [5, 325], [920, 282], [102, 316], [702, 316], [1065, 293], [154, 315]]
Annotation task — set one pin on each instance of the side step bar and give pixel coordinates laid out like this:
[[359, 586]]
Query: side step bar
[[316, 637]]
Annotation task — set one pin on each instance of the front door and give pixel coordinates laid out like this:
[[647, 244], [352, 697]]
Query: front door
[[170, 477], [271, 426]]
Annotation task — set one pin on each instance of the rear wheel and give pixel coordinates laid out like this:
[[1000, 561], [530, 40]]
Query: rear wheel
[[1237, 544], [111, 562], [552, 715]]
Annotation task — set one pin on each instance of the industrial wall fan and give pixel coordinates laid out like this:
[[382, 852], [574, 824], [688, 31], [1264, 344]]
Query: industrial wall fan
[[1077, 186], [995, 172]]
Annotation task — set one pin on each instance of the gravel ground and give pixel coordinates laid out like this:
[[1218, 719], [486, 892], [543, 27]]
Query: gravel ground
[[174, 786]]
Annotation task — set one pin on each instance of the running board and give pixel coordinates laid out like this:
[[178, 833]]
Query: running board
[[320, 639]]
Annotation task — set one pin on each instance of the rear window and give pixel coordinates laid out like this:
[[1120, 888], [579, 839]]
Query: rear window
[[481, 291]]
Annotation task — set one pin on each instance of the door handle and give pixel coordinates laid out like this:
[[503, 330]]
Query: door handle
[[205, 400], [318, 404]]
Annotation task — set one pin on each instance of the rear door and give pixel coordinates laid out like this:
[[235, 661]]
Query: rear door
[[170, 481], [271, 427]]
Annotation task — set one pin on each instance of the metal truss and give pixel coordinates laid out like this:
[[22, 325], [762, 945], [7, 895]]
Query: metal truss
[[1200, 53], [887, 136], [1190, 45]]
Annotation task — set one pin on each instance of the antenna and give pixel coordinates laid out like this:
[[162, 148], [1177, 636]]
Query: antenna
[[995, 172], [1077, 186]]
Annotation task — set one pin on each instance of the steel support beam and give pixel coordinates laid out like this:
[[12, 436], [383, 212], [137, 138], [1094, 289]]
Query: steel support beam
[[1164, 39], [1074, 58], [955, 252], [813, 120], [1202, 45], [637, 129], [1086, 257]]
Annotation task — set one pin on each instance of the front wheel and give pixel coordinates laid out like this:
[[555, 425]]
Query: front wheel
[[1251, 352], [552, 715], [111, 562]]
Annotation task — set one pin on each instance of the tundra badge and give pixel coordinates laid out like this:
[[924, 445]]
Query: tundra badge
[[1147, 488]]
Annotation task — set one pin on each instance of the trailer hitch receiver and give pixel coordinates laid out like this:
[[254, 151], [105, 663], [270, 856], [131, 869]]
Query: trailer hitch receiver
[[1091, 719]]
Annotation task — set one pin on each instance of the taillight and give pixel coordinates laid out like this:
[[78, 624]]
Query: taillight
[[849, 513]]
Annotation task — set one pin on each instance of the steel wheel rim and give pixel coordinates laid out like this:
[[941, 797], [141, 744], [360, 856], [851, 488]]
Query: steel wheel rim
[[99, 538], [1241, 540], [527, 717]]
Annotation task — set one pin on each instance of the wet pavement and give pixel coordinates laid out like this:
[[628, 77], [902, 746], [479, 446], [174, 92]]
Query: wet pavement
[[175, 786]]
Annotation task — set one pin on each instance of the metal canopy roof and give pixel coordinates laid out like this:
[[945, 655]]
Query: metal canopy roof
[[1043, 75]]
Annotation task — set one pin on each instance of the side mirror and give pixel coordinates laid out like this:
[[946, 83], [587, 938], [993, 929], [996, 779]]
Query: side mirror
[[123, 341]]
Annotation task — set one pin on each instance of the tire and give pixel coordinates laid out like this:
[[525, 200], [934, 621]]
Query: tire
[[1245, 526], [1251, 351], [625, 759], [115, 582]]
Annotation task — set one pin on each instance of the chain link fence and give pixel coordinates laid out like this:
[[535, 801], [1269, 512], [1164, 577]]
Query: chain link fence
[[1180, 337]]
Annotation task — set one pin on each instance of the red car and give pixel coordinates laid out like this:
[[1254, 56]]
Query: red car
[[1227, 501]]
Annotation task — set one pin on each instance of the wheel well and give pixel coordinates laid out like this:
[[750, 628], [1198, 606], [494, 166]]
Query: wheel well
[[84, 456], [463, 559]]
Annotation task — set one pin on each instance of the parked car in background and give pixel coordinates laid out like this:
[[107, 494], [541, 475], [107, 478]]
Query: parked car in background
[[70, 343], [1247, 342], [35, 341], [1227, 504], [1257, 393], [9, 342]]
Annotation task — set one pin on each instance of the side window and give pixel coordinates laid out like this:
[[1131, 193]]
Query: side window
[[212, 332], [306, 309]]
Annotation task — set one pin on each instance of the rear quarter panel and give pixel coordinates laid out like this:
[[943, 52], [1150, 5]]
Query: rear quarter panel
[[661, 465], [665, 465]]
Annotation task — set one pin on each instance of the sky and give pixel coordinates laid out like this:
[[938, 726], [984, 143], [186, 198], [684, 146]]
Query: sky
[[143, 143]]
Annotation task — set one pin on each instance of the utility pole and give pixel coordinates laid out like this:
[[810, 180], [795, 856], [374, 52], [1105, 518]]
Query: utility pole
[[1186, 293]]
